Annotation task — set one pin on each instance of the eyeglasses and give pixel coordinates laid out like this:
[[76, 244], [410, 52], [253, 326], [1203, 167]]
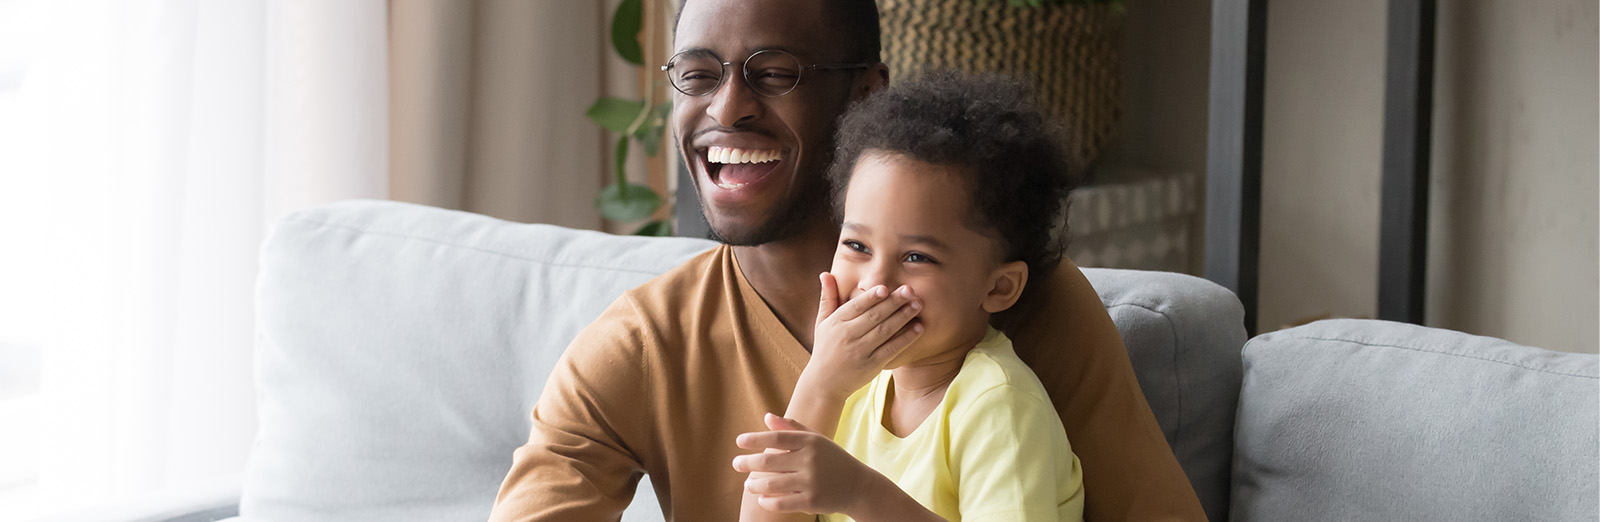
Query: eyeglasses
[[768, 73]]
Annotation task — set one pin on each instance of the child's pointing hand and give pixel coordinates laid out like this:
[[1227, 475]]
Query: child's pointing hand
[[801, 470]]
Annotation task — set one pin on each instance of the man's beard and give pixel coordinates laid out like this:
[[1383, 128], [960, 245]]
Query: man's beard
[[811, 203]]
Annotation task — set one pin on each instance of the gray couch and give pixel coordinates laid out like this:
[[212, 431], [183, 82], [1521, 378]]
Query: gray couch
[[402, 347]]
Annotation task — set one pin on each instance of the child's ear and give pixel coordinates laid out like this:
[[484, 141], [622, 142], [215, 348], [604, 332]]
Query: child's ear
[[1005, 286]]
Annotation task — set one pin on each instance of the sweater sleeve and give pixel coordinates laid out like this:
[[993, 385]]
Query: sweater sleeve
[[1065, 335], [577, 464]]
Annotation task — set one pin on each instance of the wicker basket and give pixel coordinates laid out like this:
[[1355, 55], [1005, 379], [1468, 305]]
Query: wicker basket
[[1067, 53]]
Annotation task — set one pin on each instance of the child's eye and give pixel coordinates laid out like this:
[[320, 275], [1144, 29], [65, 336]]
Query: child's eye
[[856, 246], [916, 257]]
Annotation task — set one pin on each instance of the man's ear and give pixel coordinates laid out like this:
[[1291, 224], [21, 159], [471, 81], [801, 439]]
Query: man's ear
[[873, 80], [1005, 286]]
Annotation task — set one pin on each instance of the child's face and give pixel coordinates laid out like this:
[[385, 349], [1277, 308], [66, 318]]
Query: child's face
[[905, 224]]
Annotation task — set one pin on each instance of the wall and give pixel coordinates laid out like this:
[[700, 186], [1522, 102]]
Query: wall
[[1165, 79], [1513, 229], [1514, 232], [1166, 59], [1323, 147]]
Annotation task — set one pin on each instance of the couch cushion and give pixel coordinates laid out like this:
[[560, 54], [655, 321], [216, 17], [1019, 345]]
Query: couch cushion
[[1183, 334], [1372, 420], [401, 348]]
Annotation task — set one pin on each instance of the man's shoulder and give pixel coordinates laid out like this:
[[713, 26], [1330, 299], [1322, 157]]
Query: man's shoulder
[[646, 312], [696, 279]]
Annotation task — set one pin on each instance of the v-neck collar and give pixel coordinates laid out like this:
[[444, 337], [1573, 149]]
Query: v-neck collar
[[762, 318], [993, 340]]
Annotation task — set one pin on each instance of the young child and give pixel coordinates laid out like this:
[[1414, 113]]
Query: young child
[[949, 187]]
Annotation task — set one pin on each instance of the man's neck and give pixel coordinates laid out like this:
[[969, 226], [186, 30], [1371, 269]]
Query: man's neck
[[784, 273]]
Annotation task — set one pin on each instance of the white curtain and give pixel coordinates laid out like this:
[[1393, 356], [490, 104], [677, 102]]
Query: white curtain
[[145, 145], [487, 102]]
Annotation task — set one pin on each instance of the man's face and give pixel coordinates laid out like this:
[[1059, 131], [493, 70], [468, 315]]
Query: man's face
[[758, 161]]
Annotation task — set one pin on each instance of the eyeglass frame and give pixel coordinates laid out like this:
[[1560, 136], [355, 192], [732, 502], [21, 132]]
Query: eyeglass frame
[[744, 70]]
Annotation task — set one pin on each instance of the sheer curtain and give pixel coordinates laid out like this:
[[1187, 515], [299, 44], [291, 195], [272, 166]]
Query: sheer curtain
[[487, 104], [487, 107], [144, 147]]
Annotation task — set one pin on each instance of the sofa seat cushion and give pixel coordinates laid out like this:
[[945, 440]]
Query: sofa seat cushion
[[1372, 420]]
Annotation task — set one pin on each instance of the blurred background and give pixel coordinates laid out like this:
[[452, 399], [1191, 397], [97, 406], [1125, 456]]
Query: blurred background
[[147, 145]]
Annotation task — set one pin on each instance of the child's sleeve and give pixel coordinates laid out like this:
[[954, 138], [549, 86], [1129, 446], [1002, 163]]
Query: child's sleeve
[[1011, 460]]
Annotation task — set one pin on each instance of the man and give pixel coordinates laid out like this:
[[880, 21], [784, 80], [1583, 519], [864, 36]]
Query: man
[[674, 370]]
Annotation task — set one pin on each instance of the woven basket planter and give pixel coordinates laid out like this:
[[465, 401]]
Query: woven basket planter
[[1066, 53]]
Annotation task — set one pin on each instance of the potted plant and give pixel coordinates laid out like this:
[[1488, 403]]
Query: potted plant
[[643, 121]]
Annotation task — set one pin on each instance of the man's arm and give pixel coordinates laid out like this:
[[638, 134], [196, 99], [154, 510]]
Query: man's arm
[[1065, 335], [576, 465]]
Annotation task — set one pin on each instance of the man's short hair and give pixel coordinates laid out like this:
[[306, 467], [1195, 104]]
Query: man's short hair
[[855, 20], [1011, 158]]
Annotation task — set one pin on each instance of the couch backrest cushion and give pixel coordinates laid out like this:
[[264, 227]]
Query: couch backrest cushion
[[402, 347], [1372, 420], [1183, 335]]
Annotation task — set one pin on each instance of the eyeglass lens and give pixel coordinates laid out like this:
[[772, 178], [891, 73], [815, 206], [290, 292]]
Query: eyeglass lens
[[770, 72]]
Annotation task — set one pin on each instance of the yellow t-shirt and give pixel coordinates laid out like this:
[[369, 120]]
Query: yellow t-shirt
[[993, 449]]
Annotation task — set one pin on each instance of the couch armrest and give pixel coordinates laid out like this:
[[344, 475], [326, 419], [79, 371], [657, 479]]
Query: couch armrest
[[208, 501]]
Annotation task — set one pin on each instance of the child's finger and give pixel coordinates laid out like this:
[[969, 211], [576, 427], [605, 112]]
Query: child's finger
[[767, 462], [794, 503], [777, 423], [889, 349], [862, 325], [861, 303], [830, 296], [893, 324], [779, 440], [773, 483]]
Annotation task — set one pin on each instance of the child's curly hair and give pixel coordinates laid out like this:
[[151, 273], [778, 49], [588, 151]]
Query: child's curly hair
[[1012, 158]]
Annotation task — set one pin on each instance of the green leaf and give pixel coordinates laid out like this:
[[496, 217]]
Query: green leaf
[[657, 228], [615, 114], [655, 125], [627, 202], [625, 26]]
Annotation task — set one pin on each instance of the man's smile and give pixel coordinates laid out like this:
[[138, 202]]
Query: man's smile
[[733, 168]]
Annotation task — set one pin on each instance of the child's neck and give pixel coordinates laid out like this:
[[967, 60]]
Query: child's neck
[[918, 387]]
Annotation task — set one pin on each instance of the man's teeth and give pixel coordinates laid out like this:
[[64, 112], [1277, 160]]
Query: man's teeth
[[727, 155]]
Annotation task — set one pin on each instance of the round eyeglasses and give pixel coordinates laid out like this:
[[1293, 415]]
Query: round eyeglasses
[[769, 73]]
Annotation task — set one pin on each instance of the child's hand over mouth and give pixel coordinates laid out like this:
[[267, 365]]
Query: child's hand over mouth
[[856, 339]]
